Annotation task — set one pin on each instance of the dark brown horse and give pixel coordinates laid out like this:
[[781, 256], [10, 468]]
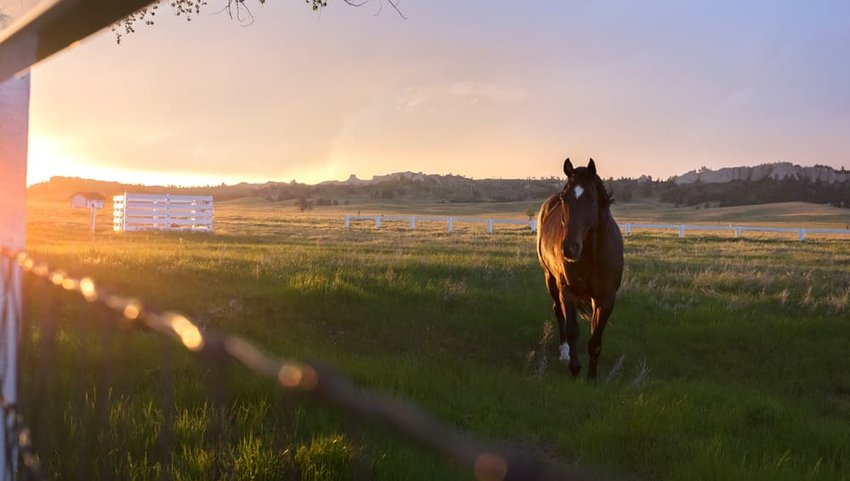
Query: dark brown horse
[[581, 251]]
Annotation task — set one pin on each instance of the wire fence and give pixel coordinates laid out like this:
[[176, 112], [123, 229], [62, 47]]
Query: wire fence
[[318, 381], [627, 228], [20, 455]]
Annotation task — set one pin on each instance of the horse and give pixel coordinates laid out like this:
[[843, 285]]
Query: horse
[[580, 249]]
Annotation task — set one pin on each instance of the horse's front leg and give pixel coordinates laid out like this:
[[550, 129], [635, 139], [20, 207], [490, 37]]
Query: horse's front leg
[[571, 334], [601, 312]]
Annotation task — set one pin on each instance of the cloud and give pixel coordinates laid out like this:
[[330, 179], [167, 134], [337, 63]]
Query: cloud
[[429, 97]]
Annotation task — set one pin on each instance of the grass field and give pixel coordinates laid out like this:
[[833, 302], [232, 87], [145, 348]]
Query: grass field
[[726, 358]]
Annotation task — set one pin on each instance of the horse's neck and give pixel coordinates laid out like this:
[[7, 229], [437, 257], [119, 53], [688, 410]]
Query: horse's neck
[[600, 232]]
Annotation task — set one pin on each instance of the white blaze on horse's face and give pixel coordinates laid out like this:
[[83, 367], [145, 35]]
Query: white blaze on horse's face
[[578, 191], [565, 352]]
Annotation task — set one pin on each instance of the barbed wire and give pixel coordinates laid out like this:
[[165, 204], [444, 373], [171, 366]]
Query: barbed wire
[[313, 378], [17, 434]]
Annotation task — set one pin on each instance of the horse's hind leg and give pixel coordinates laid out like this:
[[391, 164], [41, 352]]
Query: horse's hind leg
[[601, 312]]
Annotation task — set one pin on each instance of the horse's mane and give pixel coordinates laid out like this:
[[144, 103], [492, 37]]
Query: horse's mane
[[605, 194]]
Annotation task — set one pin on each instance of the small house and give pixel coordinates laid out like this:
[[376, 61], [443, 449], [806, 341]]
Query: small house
[[87, 199]]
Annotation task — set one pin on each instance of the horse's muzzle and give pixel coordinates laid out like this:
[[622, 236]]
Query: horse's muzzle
[[572, 251]]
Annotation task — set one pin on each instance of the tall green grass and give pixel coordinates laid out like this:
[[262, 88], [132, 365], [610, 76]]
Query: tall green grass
[[726, 358]]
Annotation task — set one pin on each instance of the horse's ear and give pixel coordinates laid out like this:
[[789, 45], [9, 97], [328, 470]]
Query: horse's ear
[[568, 167], [591, 166]]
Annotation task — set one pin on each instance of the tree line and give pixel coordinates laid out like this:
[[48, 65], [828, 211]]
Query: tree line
[[732, 193]]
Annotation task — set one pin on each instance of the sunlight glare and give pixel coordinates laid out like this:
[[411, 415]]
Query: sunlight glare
[[46, 157]]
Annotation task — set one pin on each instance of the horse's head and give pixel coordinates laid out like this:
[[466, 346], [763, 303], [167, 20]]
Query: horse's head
[[583, 201]]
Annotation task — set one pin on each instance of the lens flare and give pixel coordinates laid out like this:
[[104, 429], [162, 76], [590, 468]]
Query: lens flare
[[41, 270], [297, 376], [188, 333], [70, 284], [132, 310], [56, 277], [88, 289], [490, 467]]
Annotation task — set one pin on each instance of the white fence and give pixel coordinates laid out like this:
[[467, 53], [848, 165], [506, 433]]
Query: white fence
[[450, 221], [627, 228], [739, 230], [136, 212]]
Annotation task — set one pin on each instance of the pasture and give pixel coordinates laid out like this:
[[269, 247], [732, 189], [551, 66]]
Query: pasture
[[724, 359]]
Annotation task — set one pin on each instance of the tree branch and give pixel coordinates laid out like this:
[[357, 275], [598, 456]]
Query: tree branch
[[393, 3], [190, 8]]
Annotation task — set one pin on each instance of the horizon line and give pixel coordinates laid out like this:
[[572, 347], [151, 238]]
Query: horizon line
[[258, 182]]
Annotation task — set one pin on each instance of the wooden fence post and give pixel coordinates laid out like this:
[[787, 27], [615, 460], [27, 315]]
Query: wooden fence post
[[92, 219], [14, 131]]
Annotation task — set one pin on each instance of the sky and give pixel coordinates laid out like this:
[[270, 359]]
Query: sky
[[482, 89]]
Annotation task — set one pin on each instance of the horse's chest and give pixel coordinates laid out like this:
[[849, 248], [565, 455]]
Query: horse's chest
[[579, 277]]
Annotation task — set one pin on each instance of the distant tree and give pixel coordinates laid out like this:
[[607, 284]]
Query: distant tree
[[304, 204]]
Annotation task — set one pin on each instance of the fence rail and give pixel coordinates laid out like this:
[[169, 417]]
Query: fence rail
[[413, 220], [627, 227], [319, 381], [139, 212], [739, 230]]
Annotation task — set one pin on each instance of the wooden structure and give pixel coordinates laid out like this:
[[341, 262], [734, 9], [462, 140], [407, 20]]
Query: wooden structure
[[145, 212], [89, 200]]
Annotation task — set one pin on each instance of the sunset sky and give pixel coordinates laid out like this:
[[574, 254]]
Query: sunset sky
[[483, 89]]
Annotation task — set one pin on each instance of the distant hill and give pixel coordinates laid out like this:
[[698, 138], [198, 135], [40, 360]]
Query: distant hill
[[767, 183], [775, 171], [61, 188], [762, 184], [413, 187], [401, 186]]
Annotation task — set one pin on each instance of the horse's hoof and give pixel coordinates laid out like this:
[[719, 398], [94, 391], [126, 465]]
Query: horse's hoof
[[565, 353], [574, 371]]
